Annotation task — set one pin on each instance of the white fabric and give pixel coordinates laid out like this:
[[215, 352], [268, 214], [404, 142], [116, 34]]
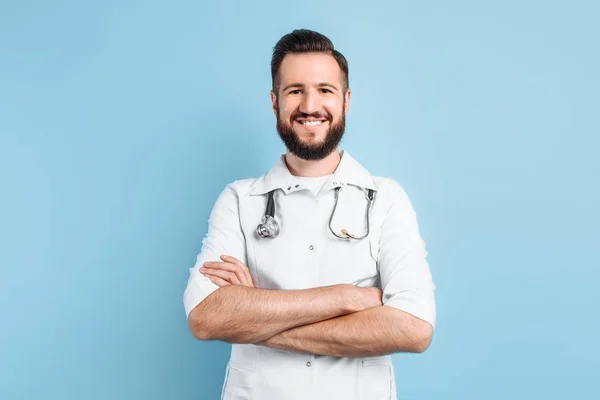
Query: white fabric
[[305, 255], [314, 184]]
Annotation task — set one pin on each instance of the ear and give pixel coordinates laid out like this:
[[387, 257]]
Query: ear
[[347, 96], [274, 101]]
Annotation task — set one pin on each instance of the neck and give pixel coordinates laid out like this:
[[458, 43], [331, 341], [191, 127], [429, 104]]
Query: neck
[[300, 167]]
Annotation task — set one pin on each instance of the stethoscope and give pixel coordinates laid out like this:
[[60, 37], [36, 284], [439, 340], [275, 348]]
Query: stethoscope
[[269, 228]]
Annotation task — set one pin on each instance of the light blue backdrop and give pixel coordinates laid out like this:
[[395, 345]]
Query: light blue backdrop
[[121, 122]]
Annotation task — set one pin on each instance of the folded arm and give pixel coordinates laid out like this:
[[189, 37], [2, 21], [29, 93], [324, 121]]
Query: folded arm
[[372, 332], [241, 314]]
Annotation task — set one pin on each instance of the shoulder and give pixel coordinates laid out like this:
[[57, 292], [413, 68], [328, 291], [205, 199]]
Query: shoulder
[[228, 199], [237, 189], [388, 187], [391, 192], [242, 187]]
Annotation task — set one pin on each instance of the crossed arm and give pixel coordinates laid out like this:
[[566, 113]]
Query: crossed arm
[[375, 331], [339, 320]]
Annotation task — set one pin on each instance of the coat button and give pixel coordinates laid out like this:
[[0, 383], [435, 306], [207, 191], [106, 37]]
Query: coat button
[[308, 364], [311, 247]]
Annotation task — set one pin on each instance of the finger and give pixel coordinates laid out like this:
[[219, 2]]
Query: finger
[[243, 266], [231, 259], [225, 275], [218, 281], [237, 270], [215, 264], [220, 276], [230, 268]]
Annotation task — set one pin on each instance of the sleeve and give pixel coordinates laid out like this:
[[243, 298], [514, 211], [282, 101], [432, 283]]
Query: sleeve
[[406, 280], [224, 236]]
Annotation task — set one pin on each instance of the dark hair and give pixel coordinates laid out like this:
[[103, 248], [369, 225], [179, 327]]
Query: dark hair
[[305, 41]]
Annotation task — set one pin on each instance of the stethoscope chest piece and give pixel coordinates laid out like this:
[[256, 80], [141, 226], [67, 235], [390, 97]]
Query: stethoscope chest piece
[[269, 227]]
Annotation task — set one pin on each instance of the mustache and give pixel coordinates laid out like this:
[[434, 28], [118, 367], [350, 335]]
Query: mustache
[[313, 115]]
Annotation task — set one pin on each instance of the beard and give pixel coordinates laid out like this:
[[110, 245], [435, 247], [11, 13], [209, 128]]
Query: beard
[[311, 151]]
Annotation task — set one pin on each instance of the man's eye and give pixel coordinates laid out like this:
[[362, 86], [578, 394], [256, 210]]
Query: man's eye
[[326, 90], [295, 91]]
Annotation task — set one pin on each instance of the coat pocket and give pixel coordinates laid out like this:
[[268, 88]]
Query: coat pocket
[[239, 384], [375, 379]]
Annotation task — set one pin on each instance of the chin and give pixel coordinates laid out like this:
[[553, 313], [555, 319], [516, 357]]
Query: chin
[[312, 134], [312, 139]]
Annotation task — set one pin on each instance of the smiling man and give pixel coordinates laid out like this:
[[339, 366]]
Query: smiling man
[[315, 271]]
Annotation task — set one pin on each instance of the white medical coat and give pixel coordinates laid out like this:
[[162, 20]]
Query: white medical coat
[[306, 255]]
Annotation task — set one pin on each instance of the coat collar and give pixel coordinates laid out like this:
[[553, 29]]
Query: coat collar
[[348, 172]]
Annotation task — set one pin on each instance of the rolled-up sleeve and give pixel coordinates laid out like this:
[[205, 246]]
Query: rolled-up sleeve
[[224, 236], [406, 279]]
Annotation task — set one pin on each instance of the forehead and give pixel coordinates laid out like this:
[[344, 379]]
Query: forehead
[[309, 68]]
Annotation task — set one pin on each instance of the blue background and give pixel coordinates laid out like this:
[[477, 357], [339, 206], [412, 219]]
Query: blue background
[[121, 122]]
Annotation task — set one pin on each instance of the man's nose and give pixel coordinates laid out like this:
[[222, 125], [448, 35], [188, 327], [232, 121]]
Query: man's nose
[[310, 103]]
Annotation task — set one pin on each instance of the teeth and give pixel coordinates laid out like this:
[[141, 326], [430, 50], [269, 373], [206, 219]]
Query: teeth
[[311, 123]]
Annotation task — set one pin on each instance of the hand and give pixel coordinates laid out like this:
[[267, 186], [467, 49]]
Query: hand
[[229, 272]]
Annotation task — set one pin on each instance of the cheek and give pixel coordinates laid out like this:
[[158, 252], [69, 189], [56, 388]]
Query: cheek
[[284, 110], [334, 108]]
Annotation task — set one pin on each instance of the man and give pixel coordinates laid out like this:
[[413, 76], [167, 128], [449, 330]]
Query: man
[[315, 302]]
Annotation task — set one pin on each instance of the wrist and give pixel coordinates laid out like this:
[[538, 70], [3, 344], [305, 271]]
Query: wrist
[[349, 299], [272, 341]]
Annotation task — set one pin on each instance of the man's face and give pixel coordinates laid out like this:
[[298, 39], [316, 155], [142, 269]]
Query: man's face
[[310, 105]]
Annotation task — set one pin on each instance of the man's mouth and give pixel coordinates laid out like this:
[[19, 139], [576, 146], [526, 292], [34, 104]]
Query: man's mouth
[[311, 123]]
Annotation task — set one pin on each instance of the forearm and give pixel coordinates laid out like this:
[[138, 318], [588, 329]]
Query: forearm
[[240, 314], [372, 332]]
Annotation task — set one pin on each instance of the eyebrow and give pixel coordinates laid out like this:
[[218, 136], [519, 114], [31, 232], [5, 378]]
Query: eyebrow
[[321, 84]]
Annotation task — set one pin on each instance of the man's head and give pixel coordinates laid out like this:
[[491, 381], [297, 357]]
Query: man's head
[[310, 93]]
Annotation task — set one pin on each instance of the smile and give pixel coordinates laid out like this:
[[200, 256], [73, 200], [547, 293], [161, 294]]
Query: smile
[[310, 123]]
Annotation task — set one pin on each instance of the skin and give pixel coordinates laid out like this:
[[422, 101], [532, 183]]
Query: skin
[[340, 320], [375, 330]]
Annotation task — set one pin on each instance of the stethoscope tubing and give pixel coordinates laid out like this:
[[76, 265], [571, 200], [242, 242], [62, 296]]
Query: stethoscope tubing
[[269, 228], [347, 235]]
